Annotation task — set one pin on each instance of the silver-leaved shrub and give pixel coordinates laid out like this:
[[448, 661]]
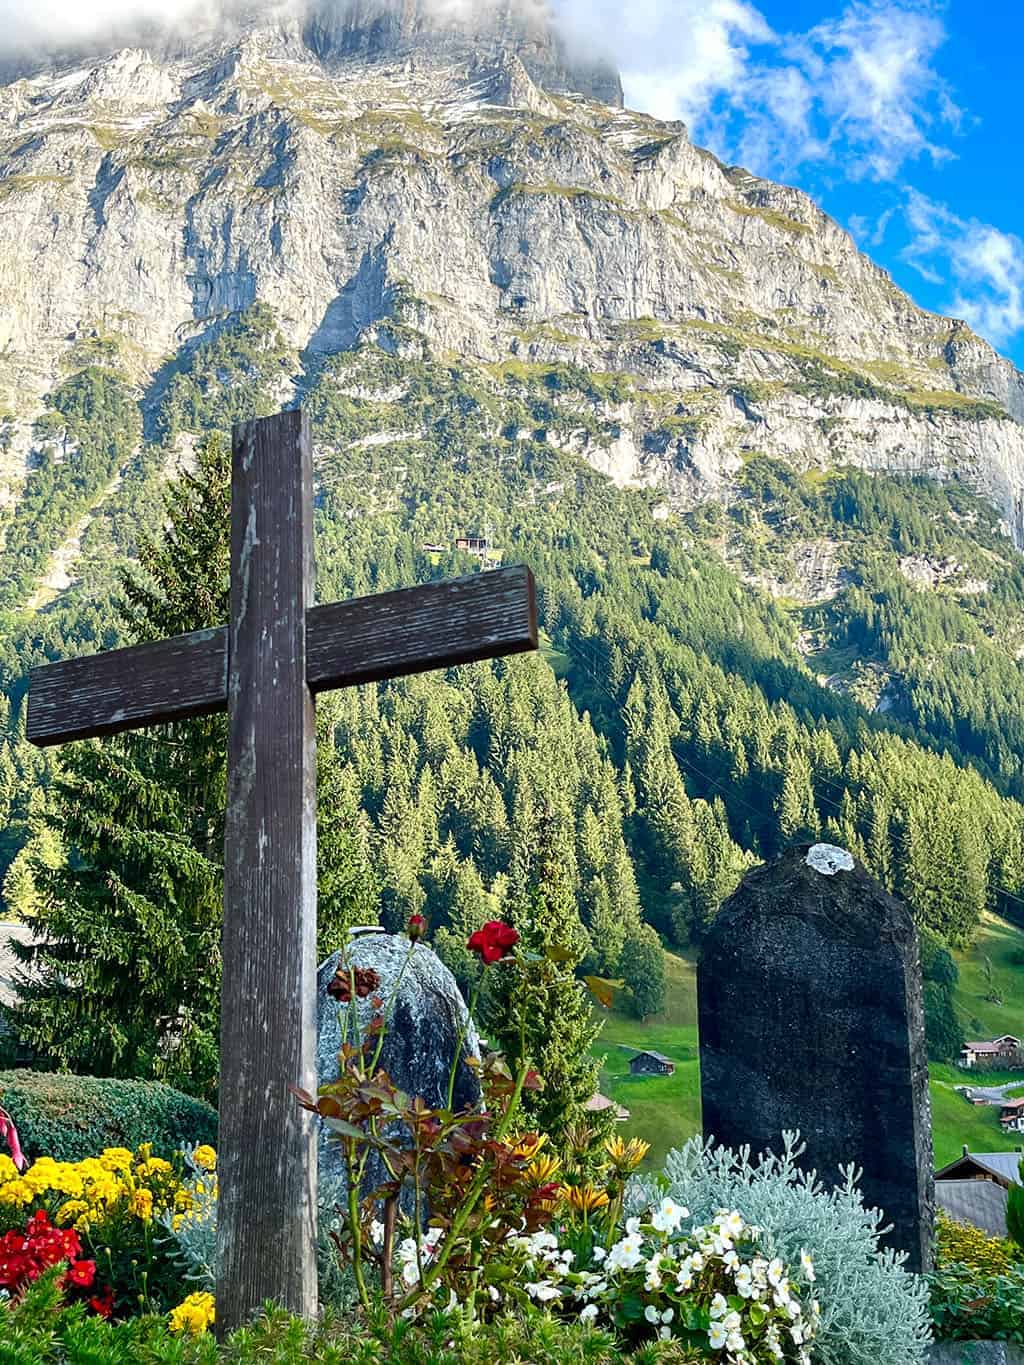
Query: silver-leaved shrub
[[873, 1311]]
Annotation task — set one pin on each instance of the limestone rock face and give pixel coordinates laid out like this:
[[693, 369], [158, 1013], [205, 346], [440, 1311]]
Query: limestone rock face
[[368, 165], [423, 1031]]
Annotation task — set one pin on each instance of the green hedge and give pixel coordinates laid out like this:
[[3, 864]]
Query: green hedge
[[72, 1117]]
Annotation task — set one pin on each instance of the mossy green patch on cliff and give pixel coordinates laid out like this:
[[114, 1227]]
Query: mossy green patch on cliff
[[550, 190], [25, 184], [770, 216]]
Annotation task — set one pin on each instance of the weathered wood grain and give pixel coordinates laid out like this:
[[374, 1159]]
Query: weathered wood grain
[[368, 639], [266, 1221], [415, 630], [125, 689]]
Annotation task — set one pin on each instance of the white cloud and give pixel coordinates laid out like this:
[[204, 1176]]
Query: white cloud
[[676, 56], [859, 89], [983, 266]]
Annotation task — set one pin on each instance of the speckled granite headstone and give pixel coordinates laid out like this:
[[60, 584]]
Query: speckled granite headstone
[[423, 1031], [811, 1018]]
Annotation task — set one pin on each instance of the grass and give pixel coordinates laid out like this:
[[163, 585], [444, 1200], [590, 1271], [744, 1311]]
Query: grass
[[665, 1110], [982, 1018], [557, 661]]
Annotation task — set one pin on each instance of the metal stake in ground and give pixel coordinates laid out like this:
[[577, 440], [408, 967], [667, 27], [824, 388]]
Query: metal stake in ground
[[265, 667]]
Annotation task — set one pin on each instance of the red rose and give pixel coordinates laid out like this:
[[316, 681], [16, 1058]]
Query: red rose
[[82, 1274], [416, 927], [493, 942]]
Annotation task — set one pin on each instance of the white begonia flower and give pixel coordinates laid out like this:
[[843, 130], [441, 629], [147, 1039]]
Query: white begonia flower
[[652, 1280], [719, 1307], [589, 1313], [544, 1291], [568, 1257], [697, 1261], [745, 1286], [730, 1260], [632, 1227], [797, 1333], [684, 1280], [734, 1342], [732, 1225], [668, 1216], [377, 1233], [776, 1272], [664, 1333], [626, 1254], [495, 1297], [407, 1249], [599, 1254], [410, 1274], [652, 1315], [733, 1321], [808, 1266], [717, 1336]]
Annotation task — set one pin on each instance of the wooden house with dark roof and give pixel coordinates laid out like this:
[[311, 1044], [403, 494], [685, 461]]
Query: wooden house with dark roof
[[974, 1188], [652, 1064]]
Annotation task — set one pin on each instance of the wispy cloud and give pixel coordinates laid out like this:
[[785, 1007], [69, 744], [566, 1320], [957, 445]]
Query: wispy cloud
[[859, 91], [982, 266]]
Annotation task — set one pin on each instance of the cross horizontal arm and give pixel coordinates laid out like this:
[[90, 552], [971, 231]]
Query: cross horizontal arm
[[123, 689], [415, 630], [368, 639]]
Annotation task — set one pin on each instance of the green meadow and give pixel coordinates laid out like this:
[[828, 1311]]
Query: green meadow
[[665, 1110]]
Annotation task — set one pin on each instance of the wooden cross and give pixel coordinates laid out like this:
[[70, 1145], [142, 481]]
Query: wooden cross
[[265, 667]]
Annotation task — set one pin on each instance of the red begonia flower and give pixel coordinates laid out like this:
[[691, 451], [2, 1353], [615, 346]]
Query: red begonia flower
[[82, 1274]]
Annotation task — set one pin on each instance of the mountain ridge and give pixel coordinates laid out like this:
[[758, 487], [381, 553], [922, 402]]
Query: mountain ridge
[[146, 200]]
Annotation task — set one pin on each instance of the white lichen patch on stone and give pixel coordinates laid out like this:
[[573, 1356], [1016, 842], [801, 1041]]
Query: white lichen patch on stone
[[828, 860]]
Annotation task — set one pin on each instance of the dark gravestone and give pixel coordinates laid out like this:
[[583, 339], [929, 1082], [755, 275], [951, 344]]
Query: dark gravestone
[[811, 1018], [428, 1018]]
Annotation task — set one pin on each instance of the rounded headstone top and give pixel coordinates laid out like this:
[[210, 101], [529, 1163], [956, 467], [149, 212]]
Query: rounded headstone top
[[824, 887], [828, 859]]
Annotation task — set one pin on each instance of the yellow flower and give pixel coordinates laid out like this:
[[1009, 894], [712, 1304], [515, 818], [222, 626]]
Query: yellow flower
[[205, 1158], [74, 1208], [543, 1169], [585, 1198], [626, 1156], [195, 1315], [142, 1205], [116, 1159], [8, 1170], [156, 1165], [529, 1145], [17, 1192]]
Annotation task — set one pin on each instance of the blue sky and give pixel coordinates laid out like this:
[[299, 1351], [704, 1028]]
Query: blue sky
[[901, 118]]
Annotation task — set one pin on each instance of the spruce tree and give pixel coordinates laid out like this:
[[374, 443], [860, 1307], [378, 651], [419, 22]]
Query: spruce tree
[[642, 967], [536, 1008], [128, 971]]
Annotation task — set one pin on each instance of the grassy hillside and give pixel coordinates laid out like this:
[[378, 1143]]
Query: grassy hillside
[[665, 1110], [998, 942]]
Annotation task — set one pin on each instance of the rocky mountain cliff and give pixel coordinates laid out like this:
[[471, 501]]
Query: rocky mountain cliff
[[372, 177]]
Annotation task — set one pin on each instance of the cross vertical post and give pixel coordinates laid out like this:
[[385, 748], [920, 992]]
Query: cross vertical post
[[266, 1222]]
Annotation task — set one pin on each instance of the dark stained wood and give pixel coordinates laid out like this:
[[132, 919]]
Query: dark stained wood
[[368, 639], [266, 1221], [125, 689], [415, 630], [264, 667]]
